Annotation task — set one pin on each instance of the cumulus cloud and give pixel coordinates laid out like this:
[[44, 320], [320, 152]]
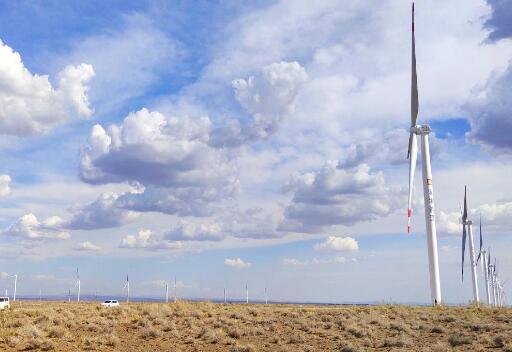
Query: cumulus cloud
[[87, 246], [337, 244], [268, 97], [236, 263], [334, 196], [30, 104], [193, 231], [5, 185], [102, 213], [496, 217], [169, 156], [29, 227], [490, 113], [148, 241]]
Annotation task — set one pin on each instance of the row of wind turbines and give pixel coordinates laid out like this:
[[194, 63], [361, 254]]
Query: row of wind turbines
[[494, 288]]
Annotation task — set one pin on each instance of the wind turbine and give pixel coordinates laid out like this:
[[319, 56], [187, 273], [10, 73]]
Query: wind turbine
[[127, 287], [15, 276], [246, 294], [77, 284], [166, 292], [69, 295], [266, 296], [428, 189], [225, 295], [175, 289], [481, 254], [468, 224]]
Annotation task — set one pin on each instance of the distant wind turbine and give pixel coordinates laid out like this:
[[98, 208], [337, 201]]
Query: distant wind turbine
[[225, 301], [246, 293], [15, 285], [175, 291], [468, 224], [166, 292], [78, 285], [428, 189], [266, 296], [127, 287]]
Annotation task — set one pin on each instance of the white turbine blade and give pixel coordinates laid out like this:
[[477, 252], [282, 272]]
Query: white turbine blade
[[412, 170]]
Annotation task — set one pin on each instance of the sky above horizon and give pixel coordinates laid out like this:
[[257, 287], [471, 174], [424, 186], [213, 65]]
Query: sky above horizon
[[264, 143]]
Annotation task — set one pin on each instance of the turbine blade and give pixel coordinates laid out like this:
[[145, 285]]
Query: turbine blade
[[412, 170], [465, 213], [463, 247], [414, 78], [481, 241]]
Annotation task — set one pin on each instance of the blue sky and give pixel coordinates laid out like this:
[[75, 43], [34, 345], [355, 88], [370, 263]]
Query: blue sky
[[227, 143]]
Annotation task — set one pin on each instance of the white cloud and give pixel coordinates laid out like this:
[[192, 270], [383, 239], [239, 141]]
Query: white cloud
[[5, 182], [268, 97], [337, 244], [30, 104], [236, 263], [30, 228], [148, 241], [87, 246], [334, 196], [102, 213], [169, 156], [193, 231], [496, 217]]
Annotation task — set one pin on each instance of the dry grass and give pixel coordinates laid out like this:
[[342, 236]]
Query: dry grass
[[54, 326]]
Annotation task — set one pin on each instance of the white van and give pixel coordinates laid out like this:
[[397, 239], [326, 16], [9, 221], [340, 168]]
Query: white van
[[110, 303], [4, 303]]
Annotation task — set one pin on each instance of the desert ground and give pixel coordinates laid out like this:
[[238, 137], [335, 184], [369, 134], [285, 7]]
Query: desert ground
[[184, 326]]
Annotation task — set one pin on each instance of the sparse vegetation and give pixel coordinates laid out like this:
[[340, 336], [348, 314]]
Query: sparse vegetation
[[32, 326]]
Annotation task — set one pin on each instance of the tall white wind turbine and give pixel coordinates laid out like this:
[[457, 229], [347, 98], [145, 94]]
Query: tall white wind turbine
[[15, 276], [428, 189], [266, 296], [246, 293], [166, 292], [127, 288], [482, 255], [468, 224], [78, 285]]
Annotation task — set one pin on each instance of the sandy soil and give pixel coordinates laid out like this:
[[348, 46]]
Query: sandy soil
[[182, 326]]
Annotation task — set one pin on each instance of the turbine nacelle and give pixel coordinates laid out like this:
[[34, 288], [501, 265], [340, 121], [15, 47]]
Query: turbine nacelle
[[420, 129]]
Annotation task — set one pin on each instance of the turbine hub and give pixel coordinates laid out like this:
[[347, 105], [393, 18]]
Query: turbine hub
[[421, 129]]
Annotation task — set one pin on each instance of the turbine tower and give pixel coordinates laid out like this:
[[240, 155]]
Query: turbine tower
[[225, 295], [482, 254], [468, 224], [428, 189], [246, 294], [127, 287], [15, 284], [175, 289], [78, 284], [166, 292], [266, 296]]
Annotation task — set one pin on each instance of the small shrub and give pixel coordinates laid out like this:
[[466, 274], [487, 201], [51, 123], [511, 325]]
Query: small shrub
[[234, 333], [242, 348], [458, 340], [437, 330], [149, 333]]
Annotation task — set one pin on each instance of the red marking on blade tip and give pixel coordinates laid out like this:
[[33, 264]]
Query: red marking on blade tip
[[409, 213]]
